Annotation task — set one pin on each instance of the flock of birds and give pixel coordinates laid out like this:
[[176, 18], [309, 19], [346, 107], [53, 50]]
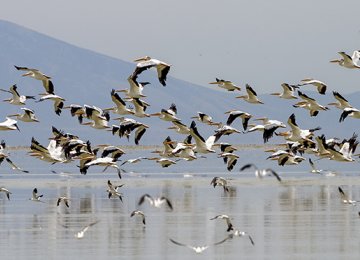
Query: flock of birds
[[66, 147]]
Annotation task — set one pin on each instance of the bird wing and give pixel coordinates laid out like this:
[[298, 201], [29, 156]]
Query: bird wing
[[143, 197], [274, 174], [246, 166]]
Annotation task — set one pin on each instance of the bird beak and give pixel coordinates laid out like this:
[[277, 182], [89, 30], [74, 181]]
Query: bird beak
[[240, 97], [214, 83], [275, 94], [334, 61], [141, 59], [332, 104], [13, 115], [156, 114], [26, 74]]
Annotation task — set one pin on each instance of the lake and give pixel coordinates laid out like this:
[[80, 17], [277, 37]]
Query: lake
[[302, 217]]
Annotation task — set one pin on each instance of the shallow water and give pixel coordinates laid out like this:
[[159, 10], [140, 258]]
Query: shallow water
[[300, 218]]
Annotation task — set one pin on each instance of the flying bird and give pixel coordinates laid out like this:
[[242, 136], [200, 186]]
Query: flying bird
[[81, 233], [35, 197], [288, 92], [198, 249], [345, 198], [219, 181], [139, 213], [147, 62], [36, 74], [226, 84], [155, 202], [16, 99], [251, 96], [58, 102], [261, 173], [347, 61], [320, 86], [6, 191], [238, 233], [27, 116], [63, 199], [113, 190], [227, 220]]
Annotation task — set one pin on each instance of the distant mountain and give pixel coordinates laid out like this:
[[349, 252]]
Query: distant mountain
[[84, 77]]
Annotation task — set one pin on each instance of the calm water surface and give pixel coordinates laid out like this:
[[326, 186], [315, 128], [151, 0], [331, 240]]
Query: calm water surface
[[301, 218]]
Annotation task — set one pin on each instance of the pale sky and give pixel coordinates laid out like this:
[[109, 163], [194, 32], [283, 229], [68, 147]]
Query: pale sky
[[264, 43]]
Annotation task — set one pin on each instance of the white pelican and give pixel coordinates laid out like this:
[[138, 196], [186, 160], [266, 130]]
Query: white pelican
[[129, 125], [63, 199], [28, 116], [347, 61], [185, 151], [113, 190], [320, 86], [168, 115], [268, 127], [120, 108], [226, 147], [261, 173], [346, 151], [76, 110], [251, 96], [139, 213], [203, 146], [313, 168], [106, 162], [36, 74], [81, 233], [6, 191], [16, 99], [13, 166], [169, 146], [233, 114], [164, 162], [180, 128], [198, 249], [155, 202], [226, 84], [219, 181], [140, 107], [227, 220], [349, 111], [135, 160], [146, 62], [341, 103], [288, 92], [231, 160], [100, 118], [296, 134], [238, 233], [204, 118], [58, 102], [345, 198], [35, 197], [310, 104], [136, 88], [290, 159], [111, 151], [9, 124]]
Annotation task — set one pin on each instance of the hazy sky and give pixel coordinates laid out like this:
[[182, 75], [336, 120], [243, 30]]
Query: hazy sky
[[263, 43]]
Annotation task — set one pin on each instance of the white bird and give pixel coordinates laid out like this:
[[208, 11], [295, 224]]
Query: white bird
[[204, 118], [180, 128], [140, 107], [113, 190], [238, 233], [261, 173], [35, 197], [147, 62], [164, 162], [36, 74], [227, 220], [347, 61], [290, 159], [6, 191], [106, 162], [219, 181], [9, 124], [226, 84], [139, 213], [81, 233], [203, 146], [16, 99], [320, 86], [136, 88], [100, 118], [127, 126], [58, 102], [310, 104], [346, 151], [233, 114], [349, 111], [313, 168], [120, 108], [168, 114], [268, 127], [341, 102], [231, 160], [288, 92], [63, 199], [185, 150], [27, 116], [345, 198], [155, 202], [198, 249], [251, 96], [135, 160], [76, 110]]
